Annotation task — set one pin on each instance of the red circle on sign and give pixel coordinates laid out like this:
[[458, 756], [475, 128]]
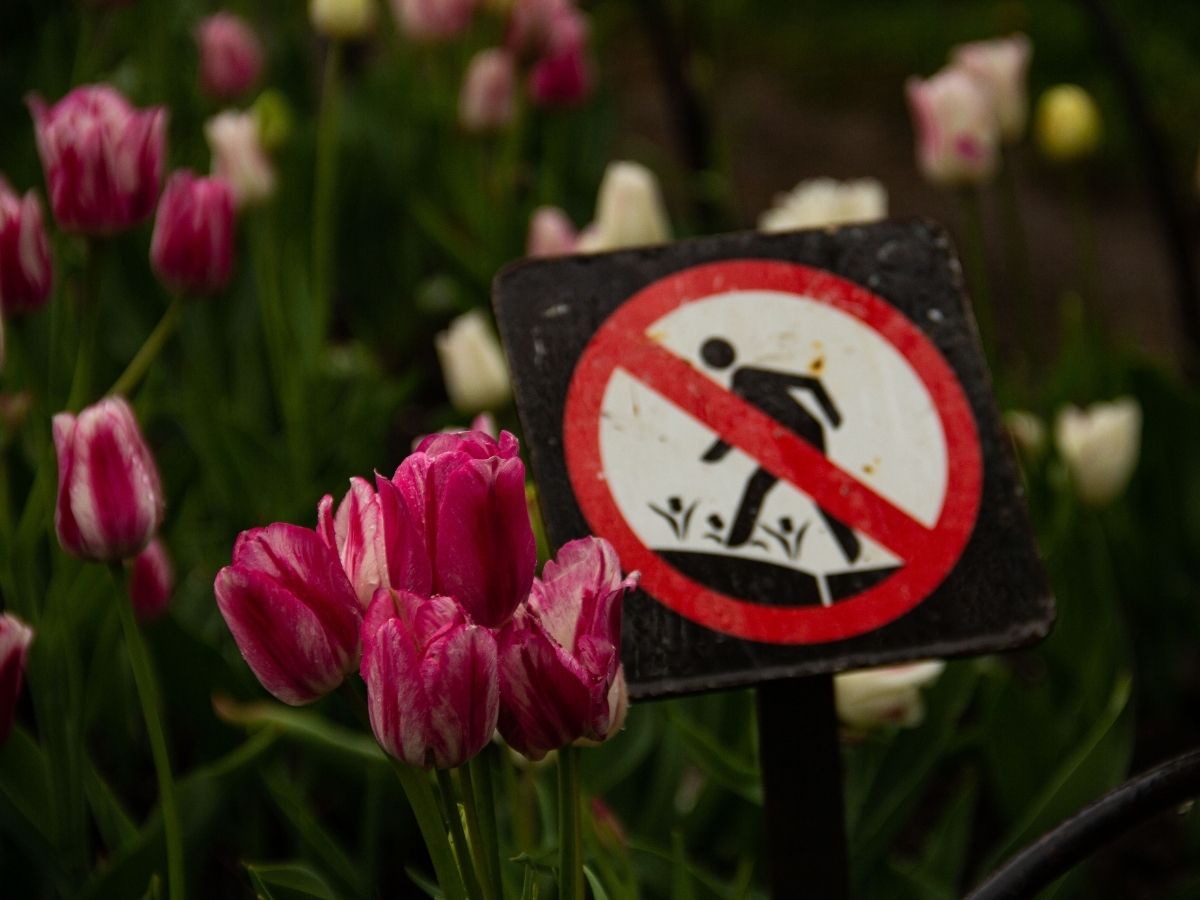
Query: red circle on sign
[[928, 554]]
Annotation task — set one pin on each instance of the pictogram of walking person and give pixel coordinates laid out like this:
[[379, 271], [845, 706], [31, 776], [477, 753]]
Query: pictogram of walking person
[[770, 391]]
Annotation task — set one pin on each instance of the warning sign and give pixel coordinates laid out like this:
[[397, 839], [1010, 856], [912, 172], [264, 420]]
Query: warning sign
[[780, 453], [790, 437]]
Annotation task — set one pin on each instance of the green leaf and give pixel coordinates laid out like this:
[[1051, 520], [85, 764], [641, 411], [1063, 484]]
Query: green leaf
[[302, 725], [115, 825], [24, 781], [718, 762], [288, 881], [598, 891], [1095, 765], [424, 883]]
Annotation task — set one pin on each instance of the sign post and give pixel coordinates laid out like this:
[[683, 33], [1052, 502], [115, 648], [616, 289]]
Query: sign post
[[792, 439]]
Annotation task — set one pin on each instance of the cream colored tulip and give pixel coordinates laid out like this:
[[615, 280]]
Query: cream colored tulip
[[629, 211], [1100, 446], [341, 20], [826, 203], [891, 695], [473, 364], [1001, 65], [1026, 430]]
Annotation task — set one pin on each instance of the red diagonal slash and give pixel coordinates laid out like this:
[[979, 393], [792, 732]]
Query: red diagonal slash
[[773, 447]]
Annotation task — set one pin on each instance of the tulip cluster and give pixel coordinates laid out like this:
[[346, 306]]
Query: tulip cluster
[[964, 112], [426, 583], [549, 38]]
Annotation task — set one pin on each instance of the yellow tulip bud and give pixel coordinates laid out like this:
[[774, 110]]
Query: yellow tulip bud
[[1068, 125]]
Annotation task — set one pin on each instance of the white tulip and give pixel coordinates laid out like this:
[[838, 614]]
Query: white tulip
[[1026, 430], [238, 156], [886, 696], [629, 211], [1001, 64], [1100, 447], [473, 364], [826, 203]]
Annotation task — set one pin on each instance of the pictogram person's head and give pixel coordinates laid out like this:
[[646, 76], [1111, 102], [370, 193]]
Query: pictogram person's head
[[718, 353]]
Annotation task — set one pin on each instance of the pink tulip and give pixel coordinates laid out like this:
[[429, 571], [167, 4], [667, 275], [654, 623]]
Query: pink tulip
[[563, 76], [15, 638], [25, 272], [487, 101], [432, 690], [103, 158], [292, 611], [1000, 66], [151, 581], [432, 20], [456, 524], [957, 128], [110, 501], [551, 233], [560, 656], [531, 26], [355, 534], [192, 246], [231, 57]]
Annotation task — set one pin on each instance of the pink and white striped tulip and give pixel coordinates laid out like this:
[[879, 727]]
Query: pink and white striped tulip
[[488, 98], [25, 270], [551, 233], [563, 75], [110, 500], [957, 129], [151, 581], [231, 56], [560, 656], [355, 534], [15, 638], [433, 20], [292, 611], [456, 524], [432, 690], [191, 250], [1001, 66], [103, 158]]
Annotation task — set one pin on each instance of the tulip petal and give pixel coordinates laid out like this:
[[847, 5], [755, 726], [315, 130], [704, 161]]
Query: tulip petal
[[460, 677]]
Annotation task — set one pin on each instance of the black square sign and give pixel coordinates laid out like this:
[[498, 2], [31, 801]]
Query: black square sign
[[791, 437]]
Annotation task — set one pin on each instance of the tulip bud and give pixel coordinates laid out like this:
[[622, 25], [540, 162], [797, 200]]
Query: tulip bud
[[25, 271], [341, 20], [826, 203], [886, 696], [1100, 447], [563, 75], [629, 211], [957, 128], [15, 638], [191, 250], [151, 581], [551, 233], [473, 364], [432, 691], [1001, 65], [432, 20], [274, 117], [1068, 125], [239, 158], [103, 158], [531, 26], [110, 501], [231, 57], [292, 611], [456, 524], [487, 101], [560, 656], [355, 534], [1026, 430]]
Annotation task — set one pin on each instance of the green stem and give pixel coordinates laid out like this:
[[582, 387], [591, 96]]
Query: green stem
[[486, 798], [147, 688], [462, 848], [480, 842], [153, 345], [429, 819], [977, 274], [1085, 238], [1017, 242], [570, 826], [324, 190], [89, 328]]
